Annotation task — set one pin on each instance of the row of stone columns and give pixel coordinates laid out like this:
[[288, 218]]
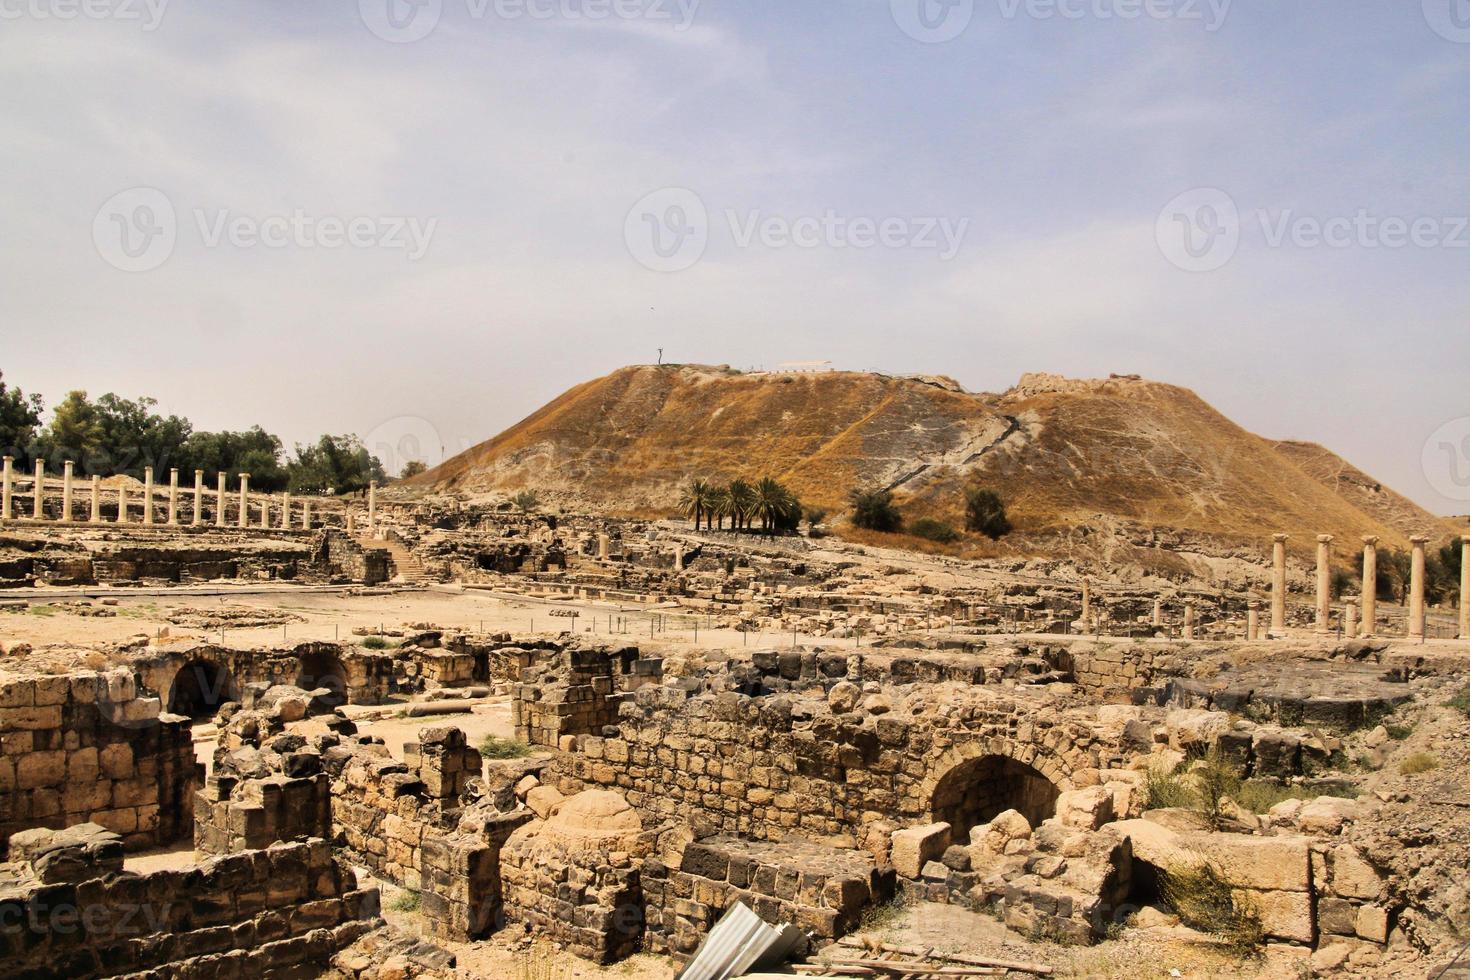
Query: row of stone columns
[[1369, 591], [148, 516]]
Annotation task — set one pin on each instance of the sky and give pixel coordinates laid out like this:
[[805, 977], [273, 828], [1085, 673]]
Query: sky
[[419, 220]]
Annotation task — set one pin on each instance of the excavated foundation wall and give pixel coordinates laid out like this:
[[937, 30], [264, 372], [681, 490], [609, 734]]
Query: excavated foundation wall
[[93, 747], [765, 768]]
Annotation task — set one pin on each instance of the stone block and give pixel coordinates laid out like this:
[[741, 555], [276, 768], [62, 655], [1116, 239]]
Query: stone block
[[910, 849]]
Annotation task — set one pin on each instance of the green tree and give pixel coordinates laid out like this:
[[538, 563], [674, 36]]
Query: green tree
[[693, 499], [334, 464], [775, 505], [20, 417], [742, 501], [874, 510], [76, 432], [985, 512], [412, 468], [526, 500]]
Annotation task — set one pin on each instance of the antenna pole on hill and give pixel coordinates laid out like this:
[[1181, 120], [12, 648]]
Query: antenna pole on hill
[[660, 356]]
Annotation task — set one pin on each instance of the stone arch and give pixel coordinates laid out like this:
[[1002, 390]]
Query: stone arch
[[323, 668], [974, 781], [199, 687]]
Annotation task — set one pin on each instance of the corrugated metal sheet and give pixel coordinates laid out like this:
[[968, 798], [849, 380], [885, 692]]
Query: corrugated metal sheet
[[740, 941]]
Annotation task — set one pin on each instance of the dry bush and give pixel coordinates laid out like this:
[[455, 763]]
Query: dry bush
[[1417, 763], [541, 963], [1203, 900]]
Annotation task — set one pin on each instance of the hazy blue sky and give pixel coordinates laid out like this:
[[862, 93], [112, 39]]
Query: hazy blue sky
[[515, 145]]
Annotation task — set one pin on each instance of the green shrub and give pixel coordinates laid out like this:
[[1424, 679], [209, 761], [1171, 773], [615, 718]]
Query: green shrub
[[1163, 789], [986, 512], [526, 500], [1399, 732], [933, 530], [1461, 701], [1204, 900], [407, 901], [377, 642], [873, 510], [495, 747], [1417, 763]]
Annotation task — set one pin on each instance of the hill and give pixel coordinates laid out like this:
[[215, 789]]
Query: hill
[[1063, 453]]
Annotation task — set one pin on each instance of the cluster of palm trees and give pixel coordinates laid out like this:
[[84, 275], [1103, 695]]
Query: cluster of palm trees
[[742, 504]]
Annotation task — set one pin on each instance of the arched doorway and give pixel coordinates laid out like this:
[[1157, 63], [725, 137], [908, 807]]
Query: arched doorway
[[321, 669], [199, 689], [978, 789]]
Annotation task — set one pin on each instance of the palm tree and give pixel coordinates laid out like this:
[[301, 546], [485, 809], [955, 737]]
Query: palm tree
[[742, 498], [773, 503], [693, 500], [719, 505]]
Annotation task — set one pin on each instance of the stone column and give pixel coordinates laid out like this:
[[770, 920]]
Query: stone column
[[244, 499], [373, 509], [1370, 585], [1350, 619], [5, 487], [1158, 612], [306, 514], [1324, 582], [678, 558], [147, 495], [351, 523], [1465, 586], [1086, 616], [1189, 619], [68, 468], [96, 499], [122, 502], [603, 547], [285, 510], [198, 517], [173, 496], [1278, 583], [1416, 587], [219, 502], [265, 511], [1253, 621], [38, 509]]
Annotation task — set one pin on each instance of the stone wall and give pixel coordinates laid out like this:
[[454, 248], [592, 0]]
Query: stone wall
[[409, 824], [769, 767], [821, 890], [221, 674], [68, 910], [578, 692], [92, 747]]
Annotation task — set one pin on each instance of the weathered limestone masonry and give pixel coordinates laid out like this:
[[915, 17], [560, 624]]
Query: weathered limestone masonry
[[408, 823], [576, 876], [775, 766], [578, 692], [253, 800], [68, 909], [822, 890], [91, 746], [81, 554], [206, 676]]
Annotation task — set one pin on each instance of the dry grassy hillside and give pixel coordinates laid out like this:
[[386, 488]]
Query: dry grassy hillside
[[1062, 453]]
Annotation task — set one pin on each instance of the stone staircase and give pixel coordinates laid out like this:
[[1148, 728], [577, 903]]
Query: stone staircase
[[406, 568]]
